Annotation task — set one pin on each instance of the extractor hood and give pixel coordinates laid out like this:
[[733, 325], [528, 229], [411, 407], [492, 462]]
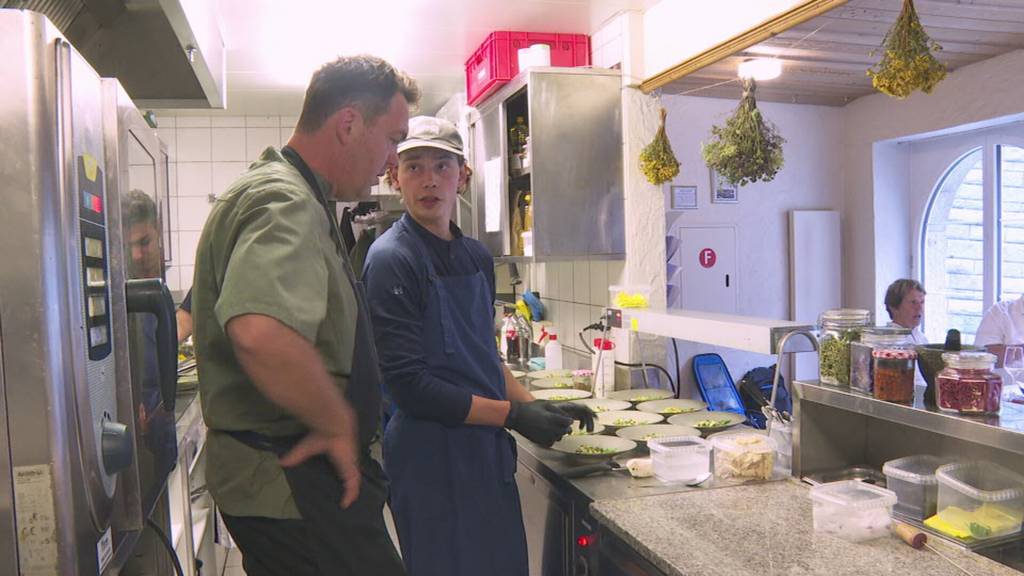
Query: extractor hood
[[166, 53]]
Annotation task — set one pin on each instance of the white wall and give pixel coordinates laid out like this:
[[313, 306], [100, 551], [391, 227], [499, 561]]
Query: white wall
[[811, 179], [975, 96], [207, 152], [676, 30]]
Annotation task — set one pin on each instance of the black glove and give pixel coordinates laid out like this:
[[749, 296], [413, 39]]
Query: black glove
[[578, 412], [540, 422]]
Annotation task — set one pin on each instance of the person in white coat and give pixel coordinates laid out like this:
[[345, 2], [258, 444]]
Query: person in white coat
[[1001, 326]]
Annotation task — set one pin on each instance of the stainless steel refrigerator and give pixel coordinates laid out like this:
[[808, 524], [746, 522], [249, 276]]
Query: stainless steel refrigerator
[[74, 424]]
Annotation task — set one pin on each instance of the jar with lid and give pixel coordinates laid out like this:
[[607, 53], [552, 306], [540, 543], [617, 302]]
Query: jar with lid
[[893, 369], [968, 384], [839, 328], [861, 362]]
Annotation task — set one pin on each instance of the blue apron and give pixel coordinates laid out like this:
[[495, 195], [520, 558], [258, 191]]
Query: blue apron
[[453, 490]]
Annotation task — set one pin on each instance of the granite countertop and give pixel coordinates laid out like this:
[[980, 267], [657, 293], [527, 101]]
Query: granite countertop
[[764, 529]]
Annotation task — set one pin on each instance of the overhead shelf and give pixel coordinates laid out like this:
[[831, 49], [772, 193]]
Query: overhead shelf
[[749, 333]]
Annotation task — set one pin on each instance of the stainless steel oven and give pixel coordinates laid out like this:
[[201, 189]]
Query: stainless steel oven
[[70, 489]]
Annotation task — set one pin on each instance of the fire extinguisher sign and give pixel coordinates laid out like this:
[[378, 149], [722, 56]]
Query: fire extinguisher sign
[[707, 258]]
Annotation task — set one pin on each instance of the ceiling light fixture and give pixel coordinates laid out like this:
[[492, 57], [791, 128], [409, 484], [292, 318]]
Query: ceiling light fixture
[[760, 68]]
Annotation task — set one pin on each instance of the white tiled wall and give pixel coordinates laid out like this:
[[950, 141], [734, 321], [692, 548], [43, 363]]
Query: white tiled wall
[[574, 293], [206, 154]]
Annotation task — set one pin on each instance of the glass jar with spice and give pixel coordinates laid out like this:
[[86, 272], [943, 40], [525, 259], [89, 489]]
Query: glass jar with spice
[[893, 370], [861, 362], [839, 328], [968, 384]]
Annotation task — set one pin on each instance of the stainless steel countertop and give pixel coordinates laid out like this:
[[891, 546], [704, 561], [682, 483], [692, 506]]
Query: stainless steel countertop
[[612, 485], [1004, 430]]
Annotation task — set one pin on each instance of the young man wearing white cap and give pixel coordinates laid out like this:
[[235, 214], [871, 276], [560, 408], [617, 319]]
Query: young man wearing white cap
[[450, 460]]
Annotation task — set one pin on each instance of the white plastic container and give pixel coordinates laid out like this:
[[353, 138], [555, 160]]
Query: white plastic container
[[979, 500], [537, 55], [553, 351], [679, 458], [527, 242], [852, 510], [743, 455], [604, 374], [913, 481]]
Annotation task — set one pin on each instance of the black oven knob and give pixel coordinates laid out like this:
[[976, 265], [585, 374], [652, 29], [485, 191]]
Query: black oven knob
[[582, 567]]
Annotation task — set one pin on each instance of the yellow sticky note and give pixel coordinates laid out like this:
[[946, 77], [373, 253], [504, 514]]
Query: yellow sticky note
[[91, 165], [634, 325]]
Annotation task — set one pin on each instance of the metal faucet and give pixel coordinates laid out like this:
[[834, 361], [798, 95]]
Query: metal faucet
[[770, 412]]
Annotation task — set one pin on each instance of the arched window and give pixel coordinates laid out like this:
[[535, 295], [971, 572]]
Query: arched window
[[971, 258], [954, 250]]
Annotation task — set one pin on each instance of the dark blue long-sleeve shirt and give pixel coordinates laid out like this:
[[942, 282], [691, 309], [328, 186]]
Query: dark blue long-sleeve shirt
[[397, 292]]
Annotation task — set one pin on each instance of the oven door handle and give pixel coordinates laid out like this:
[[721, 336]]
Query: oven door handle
[[151, 296]]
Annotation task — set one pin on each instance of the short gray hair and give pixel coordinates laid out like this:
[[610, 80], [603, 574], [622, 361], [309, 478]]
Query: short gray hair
[[898, 290]]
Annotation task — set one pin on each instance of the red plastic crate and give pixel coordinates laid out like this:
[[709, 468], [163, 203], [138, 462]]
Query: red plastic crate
[[496, 61]]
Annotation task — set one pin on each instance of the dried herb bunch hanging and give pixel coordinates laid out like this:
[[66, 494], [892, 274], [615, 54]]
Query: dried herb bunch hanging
[[908, 62], [748, 148], [657, 161]]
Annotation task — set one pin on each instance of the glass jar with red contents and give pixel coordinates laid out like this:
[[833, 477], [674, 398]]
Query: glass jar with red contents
[[967, 384], [893, 373]]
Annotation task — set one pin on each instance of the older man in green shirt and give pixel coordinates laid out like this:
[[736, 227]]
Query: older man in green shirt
[[288, 373]]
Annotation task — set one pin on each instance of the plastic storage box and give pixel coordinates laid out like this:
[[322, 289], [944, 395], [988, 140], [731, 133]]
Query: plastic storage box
[[743, 455], [496, 61], [679, 458], [978, 500], [913, 481], [852, 510]]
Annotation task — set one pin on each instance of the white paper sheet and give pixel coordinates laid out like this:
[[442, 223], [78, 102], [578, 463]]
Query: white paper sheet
[[492, 195]]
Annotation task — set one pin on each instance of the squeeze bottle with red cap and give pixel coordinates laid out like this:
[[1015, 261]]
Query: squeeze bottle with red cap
[[553, 351], [603, 366]]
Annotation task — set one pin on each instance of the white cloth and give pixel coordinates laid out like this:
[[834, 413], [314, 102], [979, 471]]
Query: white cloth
[[916, 336], [1003, 323]]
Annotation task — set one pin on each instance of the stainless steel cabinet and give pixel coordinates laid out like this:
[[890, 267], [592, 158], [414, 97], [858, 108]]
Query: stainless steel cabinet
[[574, 175]]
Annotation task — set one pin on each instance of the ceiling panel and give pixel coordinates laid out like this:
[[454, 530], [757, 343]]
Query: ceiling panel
[[274, 46], [825, 59]]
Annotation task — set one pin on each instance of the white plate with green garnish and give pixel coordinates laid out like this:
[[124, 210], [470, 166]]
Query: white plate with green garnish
[[672, 406], [560, 394], [638, 395], [598, 405], [641, 434], [541, 374], [593, 447], [577, 431], [615, 419], [553, 382], [708, 422]]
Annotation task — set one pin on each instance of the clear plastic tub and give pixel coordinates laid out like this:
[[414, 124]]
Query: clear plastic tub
[[629, 296], [978, 500], [913, 481], [679, 458], [743, 455], [852, 510]]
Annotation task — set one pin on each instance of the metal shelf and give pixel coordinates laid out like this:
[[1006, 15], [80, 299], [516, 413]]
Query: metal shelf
[[749, 333], [1004, 431]]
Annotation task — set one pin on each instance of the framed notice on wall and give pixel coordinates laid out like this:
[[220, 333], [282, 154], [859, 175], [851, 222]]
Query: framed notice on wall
[[723, 192], [682, 198]]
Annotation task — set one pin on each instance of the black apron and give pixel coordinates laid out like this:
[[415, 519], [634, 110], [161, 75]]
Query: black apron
[[353, 540]]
